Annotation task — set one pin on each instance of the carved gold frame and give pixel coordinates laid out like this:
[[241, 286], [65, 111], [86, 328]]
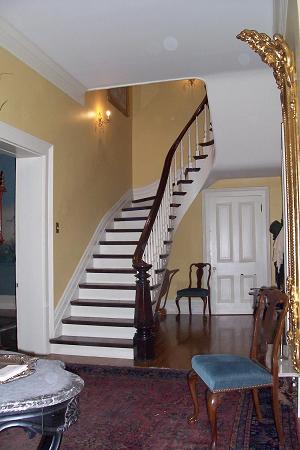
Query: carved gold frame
[[277, 54]]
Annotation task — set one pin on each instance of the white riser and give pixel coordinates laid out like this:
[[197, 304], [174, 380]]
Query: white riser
[[115, 249], [136, 213], [87, 350], [97, 311], [128, 278], [106, 263], [97, 331], [121, 236], [117, 294], [147, 203], [129, 224]]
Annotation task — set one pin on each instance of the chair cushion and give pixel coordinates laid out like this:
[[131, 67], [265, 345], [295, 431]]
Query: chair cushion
[[192, 292], [226, 372]]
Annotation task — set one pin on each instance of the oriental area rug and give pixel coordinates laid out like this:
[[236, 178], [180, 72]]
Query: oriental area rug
[[147, 409]]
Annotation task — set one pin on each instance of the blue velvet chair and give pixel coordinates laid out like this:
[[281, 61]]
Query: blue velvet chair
[[198, 291], [223, 373]]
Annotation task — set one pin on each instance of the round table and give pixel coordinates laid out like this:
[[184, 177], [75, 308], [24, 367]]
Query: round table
[[45, 402]]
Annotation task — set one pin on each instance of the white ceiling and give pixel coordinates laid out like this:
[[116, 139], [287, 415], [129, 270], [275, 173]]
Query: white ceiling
[[103, 43]]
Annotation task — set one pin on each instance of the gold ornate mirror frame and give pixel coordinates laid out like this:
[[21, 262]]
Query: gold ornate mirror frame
[[277, 54]]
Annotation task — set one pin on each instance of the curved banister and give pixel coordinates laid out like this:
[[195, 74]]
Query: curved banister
[[138, 254]]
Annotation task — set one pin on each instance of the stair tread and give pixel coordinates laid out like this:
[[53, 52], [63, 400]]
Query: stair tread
[[184, 181], [200, 157], [192, 169], [145, 199], [112, 256], [98, 321], [164, 255], [179, 193], [118, 242], [124, 230], [136, 208], [124, 219], [93, 341], [109, 270], [103, 303], [108, 303], [117, 286], [207, 144]]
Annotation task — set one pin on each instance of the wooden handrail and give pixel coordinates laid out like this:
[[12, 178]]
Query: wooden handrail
[[137, 260]]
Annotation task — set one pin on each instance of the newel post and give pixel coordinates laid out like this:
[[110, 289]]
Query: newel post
[[143, 341]]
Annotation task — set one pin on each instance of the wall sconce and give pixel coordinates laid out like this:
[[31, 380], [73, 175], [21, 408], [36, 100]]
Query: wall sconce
[[100, 121], [191, 83]]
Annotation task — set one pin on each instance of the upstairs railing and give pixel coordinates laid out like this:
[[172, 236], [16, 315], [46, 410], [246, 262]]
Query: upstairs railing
[[148, 257]]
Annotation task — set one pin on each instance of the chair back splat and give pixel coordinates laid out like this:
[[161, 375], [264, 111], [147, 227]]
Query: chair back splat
[[201, 291], [268, 328]]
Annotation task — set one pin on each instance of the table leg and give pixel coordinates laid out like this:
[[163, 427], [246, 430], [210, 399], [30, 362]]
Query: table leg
[[50, 442]]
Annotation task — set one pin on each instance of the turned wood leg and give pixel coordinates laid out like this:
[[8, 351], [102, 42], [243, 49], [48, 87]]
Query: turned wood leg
[[204, 304], [277, 413], [177, 304], [213, 401], [192, 382], [190, 306], [208, 300], [256, 404]]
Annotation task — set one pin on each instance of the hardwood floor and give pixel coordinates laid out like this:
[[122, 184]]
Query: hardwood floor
[[178, 340]]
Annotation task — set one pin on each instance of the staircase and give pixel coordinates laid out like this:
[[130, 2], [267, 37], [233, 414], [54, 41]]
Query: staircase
[[101, 321]]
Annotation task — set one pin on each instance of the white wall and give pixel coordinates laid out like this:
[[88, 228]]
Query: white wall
[[246, 116]]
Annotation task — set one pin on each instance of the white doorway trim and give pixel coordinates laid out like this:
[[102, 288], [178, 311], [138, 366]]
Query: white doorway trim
[[209, 248], [34, 237]]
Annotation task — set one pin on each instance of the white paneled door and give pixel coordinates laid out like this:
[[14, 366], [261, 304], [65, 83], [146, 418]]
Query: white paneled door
[[236, 244]]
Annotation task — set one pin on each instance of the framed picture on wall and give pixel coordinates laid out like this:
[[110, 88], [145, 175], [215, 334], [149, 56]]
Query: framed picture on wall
[[119, 98]]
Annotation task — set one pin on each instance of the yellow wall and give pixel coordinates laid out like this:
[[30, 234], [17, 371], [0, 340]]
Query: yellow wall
[[188, 241], [92, 170], [160, 111]]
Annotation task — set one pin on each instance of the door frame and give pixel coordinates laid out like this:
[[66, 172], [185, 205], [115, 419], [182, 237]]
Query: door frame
[[264, 192], [34, 237]]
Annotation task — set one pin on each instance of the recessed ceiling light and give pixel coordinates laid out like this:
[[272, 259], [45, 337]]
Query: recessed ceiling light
[[170, 43]]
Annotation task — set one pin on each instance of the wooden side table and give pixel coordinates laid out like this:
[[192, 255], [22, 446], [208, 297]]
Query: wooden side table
[[45, 403]]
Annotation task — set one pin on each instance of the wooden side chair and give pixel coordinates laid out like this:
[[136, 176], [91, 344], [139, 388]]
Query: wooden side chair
[[222, 373], [169, 274], [199, 290]]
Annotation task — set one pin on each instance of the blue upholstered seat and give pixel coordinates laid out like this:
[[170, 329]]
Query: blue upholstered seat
[[192, 292], [226, 372]]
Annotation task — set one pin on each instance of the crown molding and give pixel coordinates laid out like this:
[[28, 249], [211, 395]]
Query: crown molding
[[17, 44], [280, 8]]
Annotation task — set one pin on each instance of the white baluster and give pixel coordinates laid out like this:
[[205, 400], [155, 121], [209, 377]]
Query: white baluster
[[181, 160], [189, 148], [175, 168], [197, 137]]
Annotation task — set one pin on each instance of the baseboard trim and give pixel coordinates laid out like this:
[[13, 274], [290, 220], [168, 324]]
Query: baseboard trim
[[71, 290]]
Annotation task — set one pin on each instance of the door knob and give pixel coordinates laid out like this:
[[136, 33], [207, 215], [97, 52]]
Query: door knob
[[214, 269]]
